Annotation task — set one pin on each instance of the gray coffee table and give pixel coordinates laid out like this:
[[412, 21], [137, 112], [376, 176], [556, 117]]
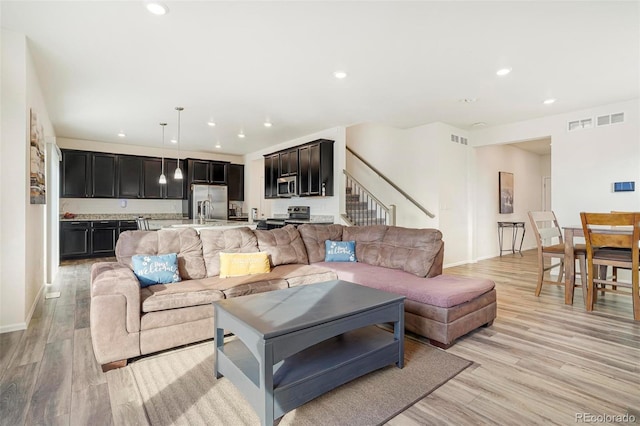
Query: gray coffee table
[[295, 344]]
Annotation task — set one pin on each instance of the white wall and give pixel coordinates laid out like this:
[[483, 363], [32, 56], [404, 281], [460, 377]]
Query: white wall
[[22, 225], [254, 179], [584, 163]]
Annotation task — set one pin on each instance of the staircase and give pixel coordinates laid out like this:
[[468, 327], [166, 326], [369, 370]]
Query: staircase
[[362, 208]]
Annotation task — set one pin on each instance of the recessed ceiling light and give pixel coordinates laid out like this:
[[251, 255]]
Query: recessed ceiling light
[[549, 101], [267, 124], [218, 145], [157, 8], [174, 140], [211, 123], [241, 134], [479, 124], [340, 74], [503, 71], [122, 134]]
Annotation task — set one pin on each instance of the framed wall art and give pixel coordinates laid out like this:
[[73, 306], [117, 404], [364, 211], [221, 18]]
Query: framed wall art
[[37, 183], [505, 190]]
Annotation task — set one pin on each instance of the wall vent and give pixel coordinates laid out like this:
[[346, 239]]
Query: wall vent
[[605, 120], [584, 123], [459, 139]]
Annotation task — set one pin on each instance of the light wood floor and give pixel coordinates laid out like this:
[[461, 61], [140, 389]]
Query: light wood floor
[[541, 362]]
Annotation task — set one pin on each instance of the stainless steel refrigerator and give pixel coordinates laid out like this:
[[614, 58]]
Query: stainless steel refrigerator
[[209, 202]]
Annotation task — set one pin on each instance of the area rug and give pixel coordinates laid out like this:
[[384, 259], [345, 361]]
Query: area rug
[[178, 388]]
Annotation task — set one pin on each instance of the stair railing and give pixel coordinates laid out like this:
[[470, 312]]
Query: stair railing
[[362, 208], [393, 185]]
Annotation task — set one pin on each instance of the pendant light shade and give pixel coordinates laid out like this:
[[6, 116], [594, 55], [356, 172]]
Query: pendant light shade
[[178, 173], [163, 179]]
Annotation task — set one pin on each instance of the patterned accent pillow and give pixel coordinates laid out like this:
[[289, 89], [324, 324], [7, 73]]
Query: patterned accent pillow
[[238, 264], [159, 269], [340, 251]]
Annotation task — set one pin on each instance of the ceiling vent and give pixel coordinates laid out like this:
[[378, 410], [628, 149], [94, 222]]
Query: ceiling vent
[[605, 120]]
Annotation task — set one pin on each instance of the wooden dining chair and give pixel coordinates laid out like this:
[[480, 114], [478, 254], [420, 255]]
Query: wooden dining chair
[[143, 223], [612, 240], [551, 246]]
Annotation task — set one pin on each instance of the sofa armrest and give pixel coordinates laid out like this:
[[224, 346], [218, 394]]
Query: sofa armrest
[[115, 312], [436, 266]]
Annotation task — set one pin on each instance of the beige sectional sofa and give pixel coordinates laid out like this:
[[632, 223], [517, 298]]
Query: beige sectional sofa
[[128, 321]]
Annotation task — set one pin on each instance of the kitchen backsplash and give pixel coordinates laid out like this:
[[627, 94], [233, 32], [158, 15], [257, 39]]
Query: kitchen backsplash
[[108, 205]]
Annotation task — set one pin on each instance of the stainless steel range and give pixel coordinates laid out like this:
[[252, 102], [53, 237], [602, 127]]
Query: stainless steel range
[[296, 215]]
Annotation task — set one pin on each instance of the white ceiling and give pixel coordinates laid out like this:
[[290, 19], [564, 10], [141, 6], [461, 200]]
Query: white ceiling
[[107, 66]]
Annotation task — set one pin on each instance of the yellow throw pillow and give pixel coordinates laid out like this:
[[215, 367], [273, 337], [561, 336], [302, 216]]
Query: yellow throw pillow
[[237, 264]]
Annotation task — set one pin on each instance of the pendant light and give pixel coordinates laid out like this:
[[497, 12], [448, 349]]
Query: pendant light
[[178, 173], [163, 178]]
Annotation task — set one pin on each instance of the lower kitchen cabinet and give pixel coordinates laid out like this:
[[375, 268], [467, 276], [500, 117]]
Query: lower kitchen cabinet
[[75, 239], [91, 238]]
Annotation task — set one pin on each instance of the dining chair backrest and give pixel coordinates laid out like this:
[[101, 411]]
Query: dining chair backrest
[[611, 230], [545, 226], [143, 223]]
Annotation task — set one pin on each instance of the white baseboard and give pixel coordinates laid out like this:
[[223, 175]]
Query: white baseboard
[[13, 327]]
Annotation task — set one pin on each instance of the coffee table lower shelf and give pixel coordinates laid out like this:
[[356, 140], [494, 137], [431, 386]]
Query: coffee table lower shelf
[[312, 372]]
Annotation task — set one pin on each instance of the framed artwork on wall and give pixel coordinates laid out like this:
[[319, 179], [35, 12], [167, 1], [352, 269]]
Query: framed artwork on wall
[[37, 183], [505, 191]]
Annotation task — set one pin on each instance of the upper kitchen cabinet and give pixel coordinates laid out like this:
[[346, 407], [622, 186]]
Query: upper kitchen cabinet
[[75, 174], [207, 172], [130, 176], [271, 173], [235, 179], [103, 174], [174, 187], [289, 163], [151, 170], [315, 174]]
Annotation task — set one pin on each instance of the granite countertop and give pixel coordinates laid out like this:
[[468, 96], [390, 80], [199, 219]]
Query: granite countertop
[[124, 216]]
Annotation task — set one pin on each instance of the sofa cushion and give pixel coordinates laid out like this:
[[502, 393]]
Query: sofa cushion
[[412, 250], [131, 243], [185, 242], [444, 290], [238, 264], [314, 236], [284, 245], [297, 274], [367, 240], [215, 241], [158, 269], [178, 295], [340, 251]]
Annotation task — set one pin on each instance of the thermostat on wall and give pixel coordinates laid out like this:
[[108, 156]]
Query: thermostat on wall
[[624, 186]]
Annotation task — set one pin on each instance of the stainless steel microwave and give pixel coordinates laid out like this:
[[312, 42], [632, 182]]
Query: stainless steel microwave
[[287, 186]]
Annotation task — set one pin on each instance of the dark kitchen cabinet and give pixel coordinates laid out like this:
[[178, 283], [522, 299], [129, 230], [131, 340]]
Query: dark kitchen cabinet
[[289, 163], [75, 239], [236, 182], [103, 175], [207, 172], [218, 173], [316, 169], [103, 237], [271, 174], [75, 174], [126, 225], [174, 187], [151, 170], [129, 176]]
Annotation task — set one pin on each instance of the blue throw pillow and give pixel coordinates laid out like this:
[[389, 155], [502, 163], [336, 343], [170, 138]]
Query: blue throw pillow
[[160, 269], [340, 251]]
